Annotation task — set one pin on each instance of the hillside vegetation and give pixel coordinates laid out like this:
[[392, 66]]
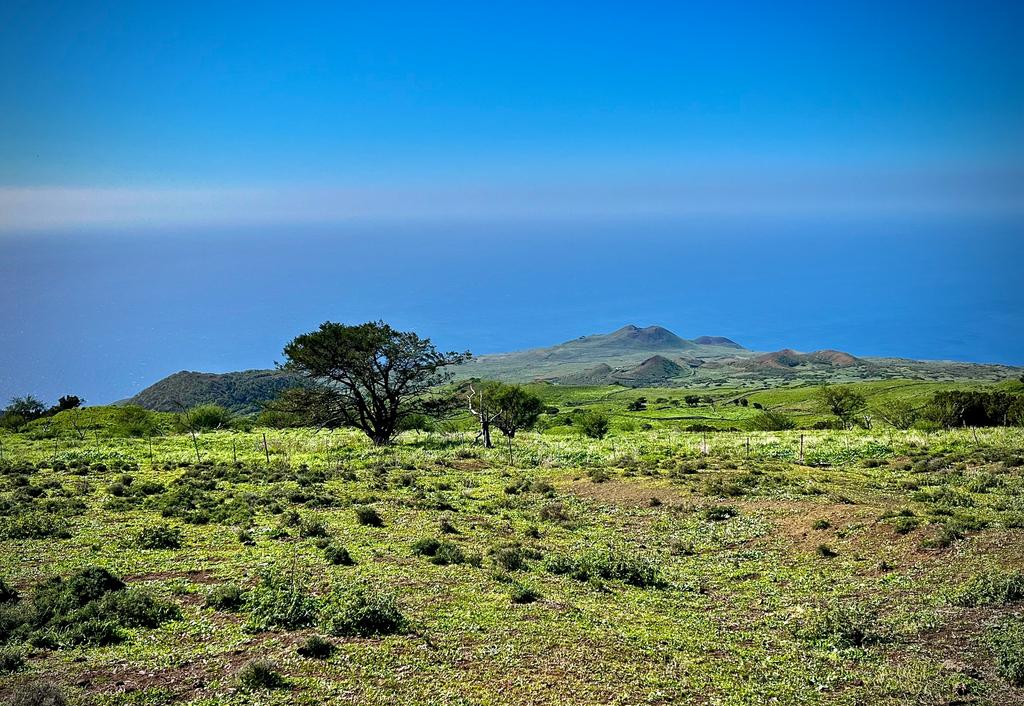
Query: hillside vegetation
[[648, 567], [241, 392]]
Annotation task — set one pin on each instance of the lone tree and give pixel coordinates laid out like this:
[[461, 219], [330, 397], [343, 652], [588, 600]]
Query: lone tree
[[897, 413], [368, 376], [637, 405], [595, 424], [484, 408], [519, 409], [508, 407], [843, 402]]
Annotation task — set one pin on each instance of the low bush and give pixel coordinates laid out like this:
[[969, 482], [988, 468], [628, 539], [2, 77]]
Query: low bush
[[451, 553], [944, 538], [368, 516], [11, 659], [33, 524], [137, 608], [7, 593], [679, 547], [522, 594], [1007, 644], [842, 624], [554, 512], [362, 610], [159, 537], [338, 555], [720, 513], [768, 420], [427, 546], [445, 526], [259, 674], [316, 647], [280, 602], [826, 552], [610, 564], [510, 558], [990, 588], [226, 596], [39, 693], [312, 527], [87, 608]]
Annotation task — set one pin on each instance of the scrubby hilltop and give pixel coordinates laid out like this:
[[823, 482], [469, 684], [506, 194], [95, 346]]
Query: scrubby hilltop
[[241, 392], [574, 361], [631, 356]]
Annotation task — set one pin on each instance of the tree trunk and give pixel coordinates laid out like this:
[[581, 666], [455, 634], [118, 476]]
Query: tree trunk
[[485, 434]]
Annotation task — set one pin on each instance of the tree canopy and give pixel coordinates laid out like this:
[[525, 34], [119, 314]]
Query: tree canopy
[[843, 402], [368, 376]]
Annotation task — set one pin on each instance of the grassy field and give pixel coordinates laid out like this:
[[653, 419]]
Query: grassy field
[[651, 567], [666, 408]]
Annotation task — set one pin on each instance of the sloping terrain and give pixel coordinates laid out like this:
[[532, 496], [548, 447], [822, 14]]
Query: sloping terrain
[[241, 392], [435, 571], [708, 361], [573, 360], [631, 356]]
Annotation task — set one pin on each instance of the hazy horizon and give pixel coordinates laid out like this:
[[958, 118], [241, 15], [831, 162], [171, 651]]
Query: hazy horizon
[[111, 314], [188, 186]]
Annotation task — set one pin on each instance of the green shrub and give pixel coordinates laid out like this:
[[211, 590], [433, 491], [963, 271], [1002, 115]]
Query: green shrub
[[427, 546], [524, 594], [280, 602], [226, 596], [7, 593], [719, 513], [445, 526], [11, 659], [137, 608], [594, 424], [842, 625], [613, 563], [905, 525], [448, 553], [826, 552], [204, 417], [990, 588], [312, 527], [944, 538], [39, 693], [362, 610], [767, 420], [554, 512], [33, 525], [259, 674], [316, 647], [510, 558], [679, 547], [1007, 644], [86, 608], [724, 488], [821, 524], [368, 516], [159, 537], [135, 421], [338, 555]]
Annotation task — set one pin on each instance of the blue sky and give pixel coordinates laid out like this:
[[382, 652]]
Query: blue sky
[[325, 128]]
